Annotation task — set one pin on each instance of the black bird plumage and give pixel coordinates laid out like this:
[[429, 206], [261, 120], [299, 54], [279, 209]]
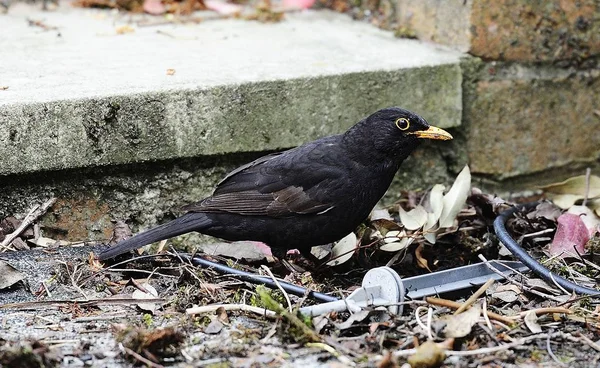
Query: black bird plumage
[[310, 195]]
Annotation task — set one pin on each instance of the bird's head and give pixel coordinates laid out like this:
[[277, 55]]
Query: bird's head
[[392, 132]]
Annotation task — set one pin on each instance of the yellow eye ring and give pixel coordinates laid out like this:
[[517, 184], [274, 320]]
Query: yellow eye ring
[[403, 123]]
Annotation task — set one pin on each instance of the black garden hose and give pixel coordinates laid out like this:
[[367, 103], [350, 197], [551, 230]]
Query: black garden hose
[[257, 279], [523, 256]]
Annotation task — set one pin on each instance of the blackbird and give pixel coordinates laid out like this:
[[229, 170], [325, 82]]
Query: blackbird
[[310, 195]]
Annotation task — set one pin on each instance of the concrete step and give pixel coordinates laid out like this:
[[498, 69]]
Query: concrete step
[[84, 96]]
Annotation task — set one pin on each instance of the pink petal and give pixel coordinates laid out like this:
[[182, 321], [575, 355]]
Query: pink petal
[[222, 7], [571, 234], [154, 7], [297, 4]]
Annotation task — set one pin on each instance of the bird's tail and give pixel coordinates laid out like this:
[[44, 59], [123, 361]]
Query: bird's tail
[[192, 221]]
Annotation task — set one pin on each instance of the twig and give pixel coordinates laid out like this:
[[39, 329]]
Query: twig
[[549, 350], [588, 341], [474, 297], [328, 348], [518, 284], [33, 214], [493, 349], [485, 315], [141, 358], [548, 310], [588, 171], [285, 295], [231, 307], [106, 301], [454, 305]]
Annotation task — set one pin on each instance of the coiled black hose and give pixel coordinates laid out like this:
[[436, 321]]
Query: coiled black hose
[[523, 256]]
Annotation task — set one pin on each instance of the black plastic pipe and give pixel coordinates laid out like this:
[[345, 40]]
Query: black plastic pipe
[[523, 256], [262, 280]]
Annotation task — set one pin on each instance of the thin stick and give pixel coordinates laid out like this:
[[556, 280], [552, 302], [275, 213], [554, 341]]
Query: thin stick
[[287, 297], [33, 214], [454, 305], [474, 297], [551, 353], [588, 341], [549, 310], [588, 171], [141, 358], [493, 349], [231, 307], [485, 315]]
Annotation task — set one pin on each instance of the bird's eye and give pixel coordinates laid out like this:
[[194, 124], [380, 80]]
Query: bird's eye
[[403, 123]]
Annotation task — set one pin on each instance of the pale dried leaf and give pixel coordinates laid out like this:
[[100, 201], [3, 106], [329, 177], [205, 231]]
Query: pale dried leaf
[[343, 250], [9, 275], [545, 210], [48, 242], [151, 294], [531, 321], [436, 202], [564, 201], [321, 251], [456, 198], [575, 185], [430, 236], [460, 325], [380, 213], [507, 293], [413, 219], [397, 244]]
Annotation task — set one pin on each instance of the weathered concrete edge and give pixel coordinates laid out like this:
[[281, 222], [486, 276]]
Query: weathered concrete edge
[[250, 117]]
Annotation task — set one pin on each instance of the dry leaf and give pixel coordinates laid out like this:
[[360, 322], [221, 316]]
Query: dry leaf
[[396, 240], [384, 226], [566, 193], [421, 261], [413, 219], [575, 185], [47, 242], [456, 198], [507, 293], [436, 203], [531, 322], [343, 250], [378, 214], [9, 275], [151, 294], [571, 236], [460, 325]]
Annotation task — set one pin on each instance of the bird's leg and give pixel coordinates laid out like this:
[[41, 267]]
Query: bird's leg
[[281, 255], [307, 254]]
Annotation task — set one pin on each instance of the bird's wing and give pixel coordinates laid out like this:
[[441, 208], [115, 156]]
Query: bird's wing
[[276, 185]]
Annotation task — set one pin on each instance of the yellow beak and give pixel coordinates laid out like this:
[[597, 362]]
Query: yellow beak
[[433, 133]]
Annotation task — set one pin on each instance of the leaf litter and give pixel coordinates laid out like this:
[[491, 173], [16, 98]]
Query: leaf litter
[[424, 232]]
